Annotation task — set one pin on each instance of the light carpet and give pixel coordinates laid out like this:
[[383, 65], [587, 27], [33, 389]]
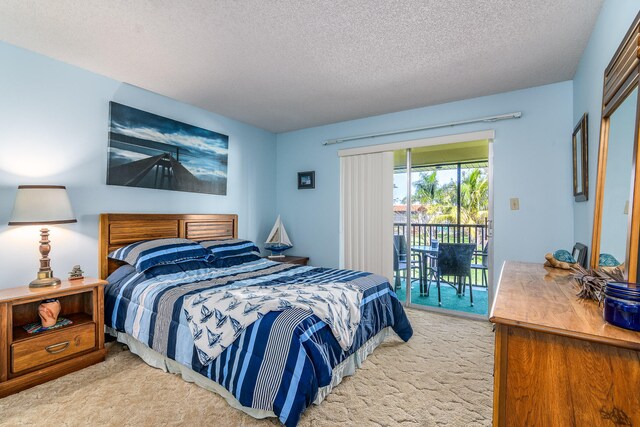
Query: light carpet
[[442, 376]]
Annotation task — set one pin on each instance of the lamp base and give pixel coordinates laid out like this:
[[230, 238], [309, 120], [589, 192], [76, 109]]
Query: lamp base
[[45, 279], [45, 274]]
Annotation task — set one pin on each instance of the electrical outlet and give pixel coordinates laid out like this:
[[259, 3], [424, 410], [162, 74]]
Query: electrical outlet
[[515, 204]]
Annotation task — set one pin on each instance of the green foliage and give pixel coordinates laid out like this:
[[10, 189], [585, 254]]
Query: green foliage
[[441, 199]]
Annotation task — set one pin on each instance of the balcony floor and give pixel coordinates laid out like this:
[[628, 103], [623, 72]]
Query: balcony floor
[[450, 299]]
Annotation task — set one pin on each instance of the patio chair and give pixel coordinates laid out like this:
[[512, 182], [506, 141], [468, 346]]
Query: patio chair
[[454, 259], [400, 261], [484, 265]]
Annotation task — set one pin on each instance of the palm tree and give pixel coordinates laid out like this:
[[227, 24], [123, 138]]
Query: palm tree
[[474, 195], [427, 188], [441, 200]]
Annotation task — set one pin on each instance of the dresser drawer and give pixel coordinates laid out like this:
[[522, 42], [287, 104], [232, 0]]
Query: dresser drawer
[[37, 351]]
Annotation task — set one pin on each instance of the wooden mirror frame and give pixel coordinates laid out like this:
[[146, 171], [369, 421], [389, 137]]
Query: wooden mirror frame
[[620, 79], [582, 128]]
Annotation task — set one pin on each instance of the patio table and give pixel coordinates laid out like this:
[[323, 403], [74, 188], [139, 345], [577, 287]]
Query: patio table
[[427, 252]]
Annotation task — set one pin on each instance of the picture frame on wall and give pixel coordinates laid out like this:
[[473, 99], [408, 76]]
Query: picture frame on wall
[[306, 180], [581, 160]]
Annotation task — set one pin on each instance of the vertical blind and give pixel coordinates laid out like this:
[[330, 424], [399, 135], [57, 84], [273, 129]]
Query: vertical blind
[[366, 200]]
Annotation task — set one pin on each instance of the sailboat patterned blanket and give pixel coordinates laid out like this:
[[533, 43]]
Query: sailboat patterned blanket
[[277, 363], [219, 316]]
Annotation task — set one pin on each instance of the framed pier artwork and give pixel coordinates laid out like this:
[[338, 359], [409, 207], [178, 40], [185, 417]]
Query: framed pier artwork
[[151, 151]]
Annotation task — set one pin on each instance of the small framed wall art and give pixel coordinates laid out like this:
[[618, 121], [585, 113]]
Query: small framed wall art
[[306, 180], [581, 161]]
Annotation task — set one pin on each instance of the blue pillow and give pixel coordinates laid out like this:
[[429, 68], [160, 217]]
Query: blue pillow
[[221, 249], [231, 261], [607, 260], [564, 256], [149, 253]]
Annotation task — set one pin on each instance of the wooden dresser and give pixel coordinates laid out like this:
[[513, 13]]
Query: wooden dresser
[[30, 359], [557, 362]]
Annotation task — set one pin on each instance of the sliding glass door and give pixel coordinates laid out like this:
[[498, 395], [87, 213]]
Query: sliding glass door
[[442, 226]]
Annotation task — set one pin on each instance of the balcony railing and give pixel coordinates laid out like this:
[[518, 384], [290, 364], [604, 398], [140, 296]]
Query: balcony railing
[[421, 234]]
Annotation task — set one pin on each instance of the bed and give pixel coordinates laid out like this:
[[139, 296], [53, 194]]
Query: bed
[[276, 366]]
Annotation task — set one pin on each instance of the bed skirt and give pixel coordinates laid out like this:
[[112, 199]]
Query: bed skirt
[[157, 360]]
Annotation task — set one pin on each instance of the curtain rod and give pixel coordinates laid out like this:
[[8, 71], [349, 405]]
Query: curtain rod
[[490, 119]]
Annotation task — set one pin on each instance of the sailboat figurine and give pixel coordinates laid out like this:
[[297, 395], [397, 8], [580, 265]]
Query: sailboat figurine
[[278, 241]]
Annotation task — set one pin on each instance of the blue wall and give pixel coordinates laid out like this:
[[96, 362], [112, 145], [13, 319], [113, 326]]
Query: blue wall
[[53, 124], [53, 130], [532, 161], [613, 22]]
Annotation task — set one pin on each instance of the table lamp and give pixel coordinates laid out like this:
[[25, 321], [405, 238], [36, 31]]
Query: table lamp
[[42, 205]]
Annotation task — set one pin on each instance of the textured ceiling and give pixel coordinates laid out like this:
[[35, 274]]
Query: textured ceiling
[[284, 65]]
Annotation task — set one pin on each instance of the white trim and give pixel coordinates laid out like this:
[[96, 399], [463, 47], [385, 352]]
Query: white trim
[[491, 233], [407, 233], [416, 143]]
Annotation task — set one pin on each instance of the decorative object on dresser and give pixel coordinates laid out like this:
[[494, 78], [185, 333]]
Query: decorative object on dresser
[[616, 222], [580, 143], [278, 240], [306, 180], [151, 151], [560, 259], [579, 253], [42, 205], [622, 305], [591, 283], [31, 355], [290, 259], [76, 273], [557, 362]]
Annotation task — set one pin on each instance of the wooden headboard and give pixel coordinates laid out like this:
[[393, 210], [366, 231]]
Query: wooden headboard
[[118, 230]]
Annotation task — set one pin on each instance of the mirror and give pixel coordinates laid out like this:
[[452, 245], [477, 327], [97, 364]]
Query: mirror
[[616, 222], [580, 161], [618, 178]]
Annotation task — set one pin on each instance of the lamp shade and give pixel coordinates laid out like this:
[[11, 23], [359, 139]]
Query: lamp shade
[[42, 204]]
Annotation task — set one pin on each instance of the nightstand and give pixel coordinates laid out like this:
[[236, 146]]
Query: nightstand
[[30, 359], [291, 259]]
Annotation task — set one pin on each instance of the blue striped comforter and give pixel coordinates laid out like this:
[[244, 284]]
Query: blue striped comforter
[[277, 363]]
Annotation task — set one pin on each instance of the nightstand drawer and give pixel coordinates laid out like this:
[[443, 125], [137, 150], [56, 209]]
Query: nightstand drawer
[[33, 352]]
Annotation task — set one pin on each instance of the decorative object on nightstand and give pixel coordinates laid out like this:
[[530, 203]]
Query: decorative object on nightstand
[[278, 240], [306, 180], [42, 205], [48, 310], [32, 354], [36, 327], [76, 273]]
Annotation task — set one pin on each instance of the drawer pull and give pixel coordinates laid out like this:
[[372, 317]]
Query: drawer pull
[[57, 348]]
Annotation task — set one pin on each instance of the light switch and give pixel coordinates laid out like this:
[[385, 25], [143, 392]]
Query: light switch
[[515, 204]]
